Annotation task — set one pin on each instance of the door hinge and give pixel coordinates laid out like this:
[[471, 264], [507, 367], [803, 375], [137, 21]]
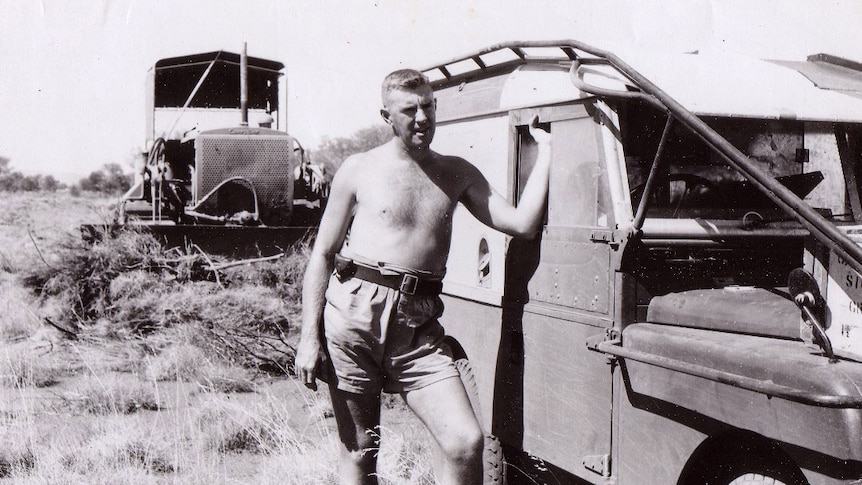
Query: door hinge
[[603, 236], [600, 464], [611, 335]]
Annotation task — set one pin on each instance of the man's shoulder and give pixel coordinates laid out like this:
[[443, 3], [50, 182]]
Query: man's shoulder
[[367, 156], [454, 163], [358, 159]]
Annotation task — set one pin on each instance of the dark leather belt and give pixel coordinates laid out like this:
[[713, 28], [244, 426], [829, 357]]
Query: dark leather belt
[[406, 283]]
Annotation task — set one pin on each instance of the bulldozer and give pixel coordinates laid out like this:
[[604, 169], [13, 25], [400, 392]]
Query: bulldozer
[[220, 169]]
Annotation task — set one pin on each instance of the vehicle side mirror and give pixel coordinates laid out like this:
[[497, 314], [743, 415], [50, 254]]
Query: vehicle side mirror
[[806, 294]]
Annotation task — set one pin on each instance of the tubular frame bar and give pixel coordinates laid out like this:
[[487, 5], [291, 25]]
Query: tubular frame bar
[[769, 388], [653, 176]]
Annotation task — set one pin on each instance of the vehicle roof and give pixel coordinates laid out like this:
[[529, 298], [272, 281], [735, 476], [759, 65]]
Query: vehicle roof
[[707, 84], [725, 84]]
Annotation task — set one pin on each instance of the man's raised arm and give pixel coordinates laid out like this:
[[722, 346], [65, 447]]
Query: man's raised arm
[[492, 209]]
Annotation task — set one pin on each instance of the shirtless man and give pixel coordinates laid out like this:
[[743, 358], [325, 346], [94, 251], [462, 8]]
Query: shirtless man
[[380, 306]]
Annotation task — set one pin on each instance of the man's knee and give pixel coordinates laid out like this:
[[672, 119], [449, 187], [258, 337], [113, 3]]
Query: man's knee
[[465, 445]]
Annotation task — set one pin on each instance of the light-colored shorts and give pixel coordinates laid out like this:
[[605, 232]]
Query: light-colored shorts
[[379, 339]]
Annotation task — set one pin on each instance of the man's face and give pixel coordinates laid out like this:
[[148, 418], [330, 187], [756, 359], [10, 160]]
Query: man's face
[[410, 112]]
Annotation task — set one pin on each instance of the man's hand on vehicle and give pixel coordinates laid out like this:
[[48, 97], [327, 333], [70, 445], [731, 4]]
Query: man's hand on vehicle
[[541, 136]]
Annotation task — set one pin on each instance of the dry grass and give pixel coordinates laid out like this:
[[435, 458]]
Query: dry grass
[[23, 369], [184, 362], [16, 458], [113, 394], [19, 319], [7, 264], [111, 450], [172, 376], [404, 456]]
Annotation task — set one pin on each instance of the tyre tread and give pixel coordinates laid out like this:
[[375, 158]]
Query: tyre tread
[[492, 457], [755, 479]]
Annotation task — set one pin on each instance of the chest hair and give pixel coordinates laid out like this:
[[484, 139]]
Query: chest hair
[[412, 199]]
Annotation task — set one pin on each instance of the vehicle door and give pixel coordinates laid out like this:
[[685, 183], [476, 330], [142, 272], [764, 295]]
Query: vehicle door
[[558, 293]]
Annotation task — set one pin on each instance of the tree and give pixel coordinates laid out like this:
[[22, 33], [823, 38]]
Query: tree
[[15, 181], [109, 180], [332, 151], [93, 182], [29, 184], [48, 183], [8, 179]]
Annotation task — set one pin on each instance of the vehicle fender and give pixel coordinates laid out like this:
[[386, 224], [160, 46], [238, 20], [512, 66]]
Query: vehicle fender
[[712, 406]]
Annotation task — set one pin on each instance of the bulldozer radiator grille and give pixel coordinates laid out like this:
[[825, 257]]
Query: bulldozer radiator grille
[[263, 160]]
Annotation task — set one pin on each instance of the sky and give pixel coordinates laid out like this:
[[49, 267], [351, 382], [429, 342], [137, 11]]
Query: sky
[[72, 72]]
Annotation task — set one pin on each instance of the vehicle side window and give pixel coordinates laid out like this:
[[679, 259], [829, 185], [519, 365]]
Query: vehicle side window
[[527, 152], [573, 198]]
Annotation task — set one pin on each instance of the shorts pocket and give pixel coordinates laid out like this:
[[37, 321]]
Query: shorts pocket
[[342, 294], [416, 310]]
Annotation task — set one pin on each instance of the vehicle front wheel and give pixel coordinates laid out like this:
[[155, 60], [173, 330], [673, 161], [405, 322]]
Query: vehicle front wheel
[[755, 479], [756, 469], [743, 459]]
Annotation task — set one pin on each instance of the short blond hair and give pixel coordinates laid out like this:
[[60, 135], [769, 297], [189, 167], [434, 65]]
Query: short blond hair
[[408, 79]]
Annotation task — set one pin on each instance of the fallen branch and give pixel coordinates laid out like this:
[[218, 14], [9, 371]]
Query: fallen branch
[[219, 267], [39, 252], [67, 332], [210, 262], [253, 346]]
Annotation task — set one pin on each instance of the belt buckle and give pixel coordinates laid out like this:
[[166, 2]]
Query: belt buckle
[[409, 283]]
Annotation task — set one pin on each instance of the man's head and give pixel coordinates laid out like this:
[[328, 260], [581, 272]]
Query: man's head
[[408, 107]]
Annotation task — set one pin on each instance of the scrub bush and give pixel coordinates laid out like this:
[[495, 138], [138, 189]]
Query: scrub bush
[[242, 313]]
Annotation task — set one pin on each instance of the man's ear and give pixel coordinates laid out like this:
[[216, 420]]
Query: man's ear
[[384, 113]]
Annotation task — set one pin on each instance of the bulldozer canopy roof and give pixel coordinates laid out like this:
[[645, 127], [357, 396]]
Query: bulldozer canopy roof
[[214, 79], [207, 57]]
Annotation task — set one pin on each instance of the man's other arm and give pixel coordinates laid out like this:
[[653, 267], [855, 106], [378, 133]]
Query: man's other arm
[[495, 211], [330, 236]]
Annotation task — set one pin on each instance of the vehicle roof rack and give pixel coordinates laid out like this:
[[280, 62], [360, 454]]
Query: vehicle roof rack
[[479, 65], [495, 59]]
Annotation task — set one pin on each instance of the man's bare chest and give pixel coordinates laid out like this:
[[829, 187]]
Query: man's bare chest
[[410, 200]]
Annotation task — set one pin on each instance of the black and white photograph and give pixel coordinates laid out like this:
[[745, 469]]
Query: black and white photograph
[[478, 242]]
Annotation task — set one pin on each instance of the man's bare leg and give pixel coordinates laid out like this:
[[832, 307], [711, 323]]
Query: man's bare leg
[[445, 410], [358, 419]]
